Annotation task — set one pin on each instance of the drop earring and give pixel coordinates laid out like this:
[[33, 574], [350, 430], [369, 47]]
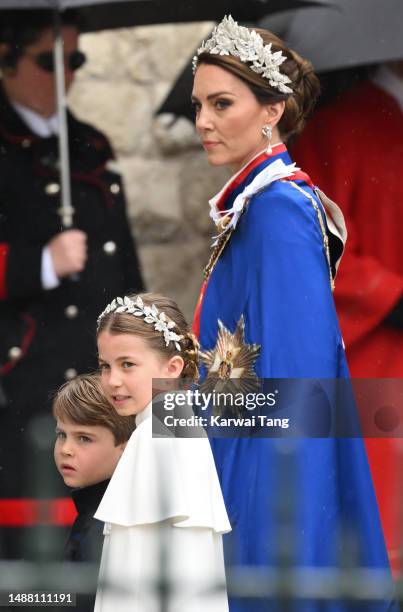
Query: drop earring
[[267, 132]]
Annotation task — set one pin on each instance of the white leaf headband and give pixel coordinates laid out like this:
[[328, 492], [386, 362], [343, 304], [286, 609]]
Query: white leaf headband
[[150, 313], [229, 38]]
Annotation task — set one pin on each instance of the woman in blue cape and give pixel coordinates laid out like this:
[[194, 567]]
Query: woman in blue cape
[[266, 310]]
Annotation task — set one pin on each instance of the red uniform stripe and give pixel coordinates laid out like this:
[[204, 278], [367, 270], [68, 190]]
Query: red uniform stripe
[[59, 512], [3, 266], [25, 344]]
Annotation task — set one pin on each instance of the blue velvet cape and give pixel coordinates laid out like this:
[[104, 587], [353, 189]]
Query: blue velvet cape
[[275, 273]]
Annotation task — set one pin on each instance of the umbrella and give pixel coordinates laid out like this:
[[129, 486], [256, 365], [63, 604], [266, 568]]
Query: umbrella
[[347, 33], [106, 14]]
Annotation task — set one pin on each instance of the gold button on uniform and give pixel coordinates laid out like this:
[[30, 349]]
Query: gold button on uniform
[[26, 143], [14, 353], [52, 188], [70, 373], [110, 247], [71, 311], [115, 188]]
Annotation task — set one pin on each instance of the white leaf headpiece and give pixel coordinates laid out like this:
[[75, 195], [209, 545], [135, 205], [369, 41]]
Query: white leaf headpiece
[[229, 38], [150, 313]]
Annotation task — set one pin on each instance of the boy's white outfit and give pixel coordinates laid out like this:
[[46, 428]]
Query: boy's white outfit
[[164, 518]]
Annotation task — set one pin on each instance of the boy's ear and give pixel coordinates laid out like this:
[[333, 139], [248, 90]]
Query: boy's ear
[[122, 446]]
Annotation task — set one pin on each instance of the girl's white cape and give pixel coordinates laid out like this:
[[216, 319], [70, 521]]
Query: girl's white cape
[[164, 515]]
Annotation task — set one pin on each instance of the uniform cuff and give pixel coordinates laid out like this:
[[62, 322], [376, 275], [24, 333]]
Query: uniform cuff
[[49, 278]]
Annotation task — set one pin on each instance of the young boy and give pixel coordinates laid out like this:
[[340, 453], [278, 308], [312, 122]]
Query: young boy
[[90, 439]]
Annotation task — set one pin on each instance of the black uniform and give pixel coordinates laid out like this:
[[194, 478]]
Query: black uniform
[[47, 336], [86, 536]]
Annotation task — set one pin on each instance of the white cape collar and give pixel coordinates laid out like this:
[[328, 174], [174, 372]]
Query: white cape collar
[[164, 479], [273, 172]]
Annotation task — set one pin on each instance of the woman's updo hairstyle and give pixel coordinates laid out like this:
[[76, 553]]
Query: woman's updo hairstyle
[[127, 323], [304, 83]]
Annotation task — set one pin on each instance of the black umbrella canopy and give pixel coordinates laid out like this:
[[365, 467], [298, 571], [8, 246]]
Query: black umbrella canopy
[[346, 33], [108, 14]]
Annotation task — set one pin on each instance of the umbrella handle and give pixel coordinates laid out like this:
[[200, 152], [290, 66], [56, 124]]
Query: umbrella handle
[[66, 216], [66, 211]]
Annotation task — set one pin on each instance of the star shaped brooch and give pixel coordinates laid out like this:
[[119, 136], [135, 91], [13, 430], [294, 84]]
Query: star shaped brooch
[[230, 364]]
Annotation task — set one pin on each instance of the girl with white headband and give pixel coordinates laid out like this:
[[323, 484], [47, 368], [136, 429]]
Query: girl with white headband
[[266, 310], [163, 509]]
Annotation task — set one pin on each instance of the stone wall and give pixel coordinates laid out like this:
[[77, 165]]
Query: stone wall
[[167, 180]]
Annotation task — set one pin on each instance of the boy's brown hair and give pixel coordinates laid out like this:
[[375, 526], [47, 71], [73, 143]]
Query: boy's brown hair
[[82, 401]]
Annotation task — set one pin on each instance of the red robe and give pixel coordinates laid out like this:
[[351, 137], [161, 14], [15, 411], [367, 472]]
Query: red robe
[[353, 150]]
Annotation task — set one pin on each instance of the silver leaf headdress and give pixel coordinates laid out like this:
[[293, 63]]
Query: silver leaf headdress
[[150, 313], [229, 38]]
